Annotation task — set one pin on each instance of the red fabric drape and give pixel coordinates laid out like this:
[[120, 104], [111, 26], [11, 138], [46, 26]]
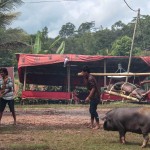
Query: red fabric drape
[[146, 60], [47, 95]]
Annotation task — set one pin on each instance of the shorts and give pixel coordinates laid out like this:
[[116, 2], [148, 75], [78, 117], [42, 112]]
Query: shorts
[[3, 103]]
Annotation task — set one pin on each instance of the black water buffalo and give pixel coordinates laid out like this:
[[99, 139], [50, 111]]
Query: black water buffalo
[[124, 120]]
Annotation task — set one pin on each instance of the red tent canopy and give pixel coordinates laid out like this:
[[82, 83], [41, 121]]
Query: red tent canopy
[[53, 63], [48, 69], [47, 59]]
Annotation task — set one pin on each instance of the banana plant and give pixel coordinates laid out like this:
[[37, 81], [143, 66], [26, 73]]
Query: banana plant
[[55, 42], [37, 45], [61, 48]]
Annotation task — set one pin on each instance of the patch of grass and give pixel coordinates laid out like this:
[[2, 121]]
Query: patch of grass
[[29, 147], [50, 138], [71, 106]]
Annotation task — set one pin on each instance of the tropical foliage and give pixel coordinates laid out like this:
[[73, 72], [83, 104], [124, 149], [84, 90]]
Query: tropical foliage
[[85, 39], [6, 16], [39, 41]]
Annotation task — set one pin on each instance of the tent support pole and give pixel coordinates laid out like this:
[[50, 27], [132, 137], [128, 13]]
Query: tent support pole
[[24, 84], [105, 72], [68, 77]]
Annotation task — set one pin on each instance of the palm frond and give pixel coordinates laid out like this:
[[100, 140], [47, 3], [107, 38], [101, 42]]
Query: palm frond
[[8, 5], [6, 19]]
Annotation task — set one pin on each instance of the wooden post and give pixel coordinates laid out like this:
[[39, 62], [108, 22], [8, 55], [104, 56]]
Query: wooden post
[[24, 84], [105, 72], [130, 57], [68, 77]]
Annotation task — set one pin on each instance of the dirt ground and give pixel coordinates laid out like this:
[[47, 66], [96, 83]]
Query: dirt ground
[[56, 128], [51, 117]]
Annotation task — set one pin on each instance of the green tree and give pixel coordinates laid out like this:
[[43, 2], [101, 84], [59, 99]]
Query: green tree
[[143, 31], [45, 41], [103, 40], [118, 25], [10, 35], [67, 30], [121, 47], [86, 27], [9, 45]]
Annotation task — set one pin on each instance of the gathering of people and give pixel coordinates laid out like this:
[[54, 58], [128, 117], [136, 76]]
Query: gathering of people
[[93, 97], [7, 97]]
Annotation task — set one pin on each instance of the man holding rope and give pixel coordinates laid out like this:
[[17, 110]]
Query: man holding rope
[[93, 96]]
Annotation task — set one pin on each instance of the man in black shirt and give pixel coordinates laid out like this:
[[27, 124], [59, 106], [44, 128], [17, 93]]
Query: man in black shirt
[[93, 96]]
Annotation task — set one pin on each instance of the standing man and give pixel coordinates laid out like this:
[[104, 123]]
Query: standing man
[[6, 93], [93, 96]]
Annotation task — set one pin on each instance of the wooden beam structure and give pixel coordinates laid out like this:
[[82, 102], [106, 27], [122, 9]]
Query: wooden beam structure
[[122, 95], [118, 74]]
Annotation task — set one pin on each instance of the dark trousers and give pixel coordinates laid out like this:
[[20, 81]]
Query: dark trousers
[[3, 103], [93, 108]]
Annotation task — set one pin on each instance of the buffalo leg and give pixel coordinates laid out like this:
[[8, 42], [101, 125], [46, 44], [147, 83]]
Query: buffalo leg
[[122, 137], [122, 132], [145, 141]]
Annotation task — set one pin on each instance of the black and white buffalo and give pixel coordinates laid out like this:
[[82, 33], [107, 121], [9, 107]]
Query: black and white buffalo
[[136, 120]]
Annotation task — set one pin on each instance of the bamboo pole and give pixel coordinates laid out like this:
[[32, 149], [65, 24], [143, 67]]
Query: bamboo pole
[[122, 95], [130, 57], [118, 74]]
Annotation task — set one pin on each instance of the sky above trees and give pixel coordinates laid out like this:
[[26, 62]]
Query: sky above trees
[[55, 13]]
